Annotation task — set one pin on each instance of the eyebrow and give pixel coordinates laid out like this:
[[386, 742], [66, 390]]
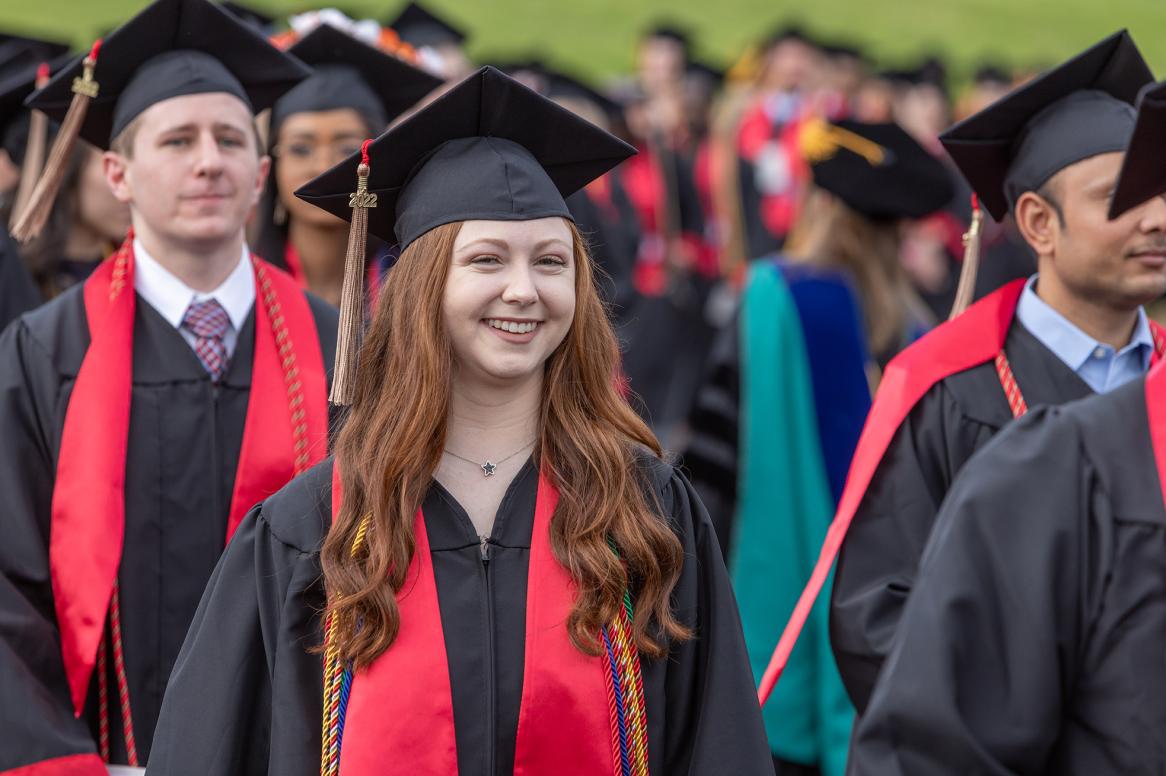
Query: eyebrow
[[191, 127], [503, 245]]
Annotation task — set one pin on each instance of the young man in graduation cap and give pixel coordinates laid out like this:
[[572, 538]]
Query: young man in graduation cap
[[1033, 641], [1049, 155], [132, 446]]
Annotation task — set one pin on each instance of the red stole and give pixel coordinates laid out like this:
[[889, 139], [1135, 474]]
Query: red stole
[[400, 709], [280, 439], [1156, 414], [974, 338]]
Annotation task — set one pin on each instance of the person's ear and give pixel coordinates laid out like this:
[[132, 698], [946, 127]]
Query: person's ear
[[1038, 222], [261, 177], [116, 169]]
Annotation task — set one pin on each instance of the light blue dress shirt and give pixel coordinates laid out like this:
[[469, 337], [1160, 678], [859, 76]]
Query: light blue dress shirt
[[1100, 366]]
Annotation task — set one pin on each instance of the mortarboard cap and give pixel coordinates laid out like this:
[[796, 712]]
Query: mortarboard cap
[[668, 31], [349, 73], [489, 148], [877, 169], [992, 73], [173, 48], [1143, 171], [419, 27], [260, 20], [1079, 109], [18, 52], [560, 85]]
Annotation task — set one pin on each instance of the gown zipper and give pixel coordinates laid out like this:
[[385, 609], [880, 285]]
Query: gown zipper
[[491, 711]]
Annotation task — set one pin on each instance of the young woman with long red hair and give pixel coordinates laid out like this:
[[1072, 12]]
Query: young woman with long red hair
[[497, 573]]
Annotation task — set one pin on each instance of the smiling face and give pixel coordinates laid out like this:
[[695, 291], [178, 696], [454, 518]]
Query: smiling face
[[190, 170], [509, 297]]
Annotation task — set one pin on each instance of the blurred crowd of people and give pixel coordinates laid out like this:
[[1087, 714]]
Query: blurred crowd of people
[[721, 179]]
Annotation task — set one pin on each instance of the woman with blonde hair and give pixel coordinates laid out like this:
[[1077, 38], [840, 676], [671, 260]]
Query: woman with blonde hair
[[497, 573]]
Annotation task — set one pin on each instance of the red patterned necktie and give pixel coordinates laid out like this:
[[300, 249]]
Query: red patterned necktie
[[208, 321]]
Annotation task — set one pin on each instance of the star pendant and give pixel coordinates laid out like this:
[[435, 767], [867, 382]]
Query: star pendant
[[488, 469]]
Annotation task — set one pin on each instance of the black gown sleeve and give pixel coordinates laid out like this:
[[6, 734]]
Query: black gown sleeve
[[231, 694], [877, 566], [36, 714], [711, 715], [18, 294], [989, 640]]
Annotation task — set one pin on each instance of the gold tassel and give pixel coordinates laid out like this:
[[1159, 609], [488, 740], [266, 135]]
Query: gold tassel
[[352, 293], [32, 220], [34, 150], [966, 289]]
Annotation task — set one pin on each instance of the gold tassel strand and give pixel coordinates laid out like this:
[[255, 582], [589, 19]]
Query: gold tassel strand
[[966, 289], [34, 151], [352, 293], [32, 220]]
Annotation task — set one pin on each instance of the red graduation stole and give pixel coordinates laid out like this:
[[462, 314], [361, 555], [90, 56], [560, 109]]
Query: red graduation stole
[[1156, 414], [573, 720], [975, 337], [280, 439]]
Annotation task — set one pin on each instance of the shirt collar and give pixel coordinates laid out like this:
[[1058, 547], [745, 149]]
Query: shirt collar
[[171, 297], [1065, 339]]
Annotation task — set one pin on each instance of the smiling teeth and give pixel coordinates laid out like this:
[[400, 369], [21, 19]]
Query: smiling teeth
[[512, 326]]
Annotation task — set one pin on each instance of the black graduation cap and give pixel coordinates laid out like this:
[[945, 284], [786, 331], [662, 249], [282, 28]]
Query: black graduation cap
[[419, 27], [877, 169], [992, 73], [1143, 171], [1079, 109], [349, 73], [668, 31], [261, 20], [172, 48], [844, 50], [490, 148], [560, 85], [19, 52], [15, 86]]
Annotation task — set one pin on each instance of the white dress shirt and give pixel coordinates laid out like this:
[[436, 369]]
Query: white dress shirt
[[171, 297]]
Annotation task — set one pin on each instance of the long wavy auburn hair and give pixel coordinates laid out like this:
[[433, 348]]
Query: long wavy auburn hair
[[392, 441]]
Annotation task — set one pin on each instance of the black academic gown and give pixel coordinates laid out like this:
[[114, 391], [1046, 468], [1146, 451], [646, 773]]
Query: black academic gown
[[1033, 643], [245, 696], [18, 294], [184, 440], [877, 566]]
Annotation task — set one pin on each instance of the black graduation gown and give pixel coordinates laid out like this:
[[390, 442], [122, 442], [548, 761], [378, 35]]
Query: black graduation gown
[[18, 294], [1033, 643], [185, 435], [613, 238], [245, 695], [876, 568]]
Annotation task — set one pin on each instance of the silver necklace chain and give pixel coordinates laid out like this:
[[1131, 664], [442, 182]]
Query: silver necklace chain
[[487, 466]]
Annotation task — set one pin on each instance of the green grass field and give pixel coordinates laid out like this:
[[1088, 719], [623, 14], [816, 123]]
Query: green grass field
[[596, 37]]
